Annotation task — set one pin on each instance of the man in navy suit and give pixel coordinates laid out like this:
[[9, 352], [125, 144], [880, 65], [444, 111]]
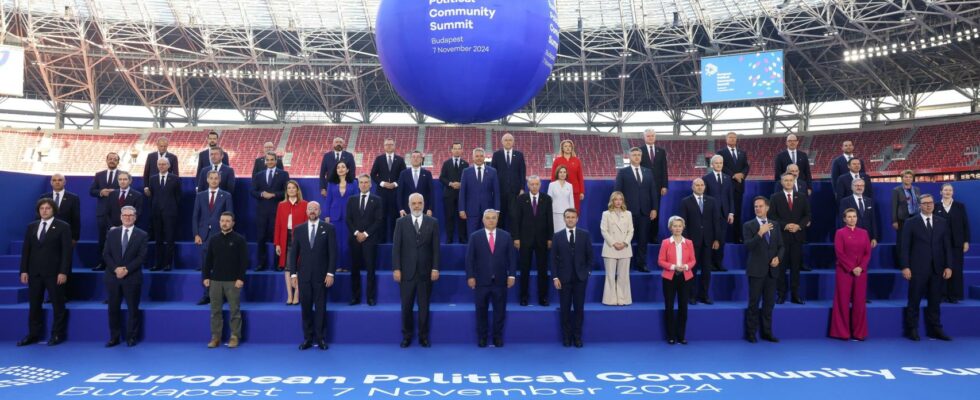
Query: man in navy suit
[[926, 259], [721, 186], [792, 155], [867, 212], [532, 230], [225, 171], [855, 170], [268, 189], [45, 262], [415, 266], [151, 166], [365, 222], [103, 184], [764, 243], [329, 163], [655, 158], [799, 185], [204, 157], [491, 269], [452, 172], [205, 221], [703, 228], [124, 254], [164, 192], [511, 172], [736, 166], [68, 205], [479, 191], [125, 195], [571, 265], [642, 194], [838, 166], [311, 265], [385, 171], [414, 180], [259, 164], [792, 209]]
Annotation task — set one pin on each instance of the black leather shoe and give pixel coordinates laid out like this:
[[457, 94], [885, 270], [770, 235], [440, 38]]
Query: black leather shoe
[[578, 343], [913, 335], [354, 302], [168, 268], [939, 335], [798, 300], [720, 269], [55, 340], [155, 268], [566, 342], [523, 302], [99, 267], [130, 342], [198, 268], [780, 299], [261, 268], [670, 341], [682, 341], [424, 342], [305, 345], [806, 269], [112, 342], [867, 301], [322, 344], [751, 339], [770, 338], [372, 302], [952, 301], [482, 342], [692, 301], [204, 300], [27, 340], [543, 303], [498, 342], [405, 343], [642, 268], [706, 301]]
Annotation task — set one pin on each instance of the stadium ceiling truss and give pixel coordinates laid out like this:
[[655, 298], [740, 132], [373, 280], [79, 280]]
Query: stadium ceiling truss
[[178, 57]]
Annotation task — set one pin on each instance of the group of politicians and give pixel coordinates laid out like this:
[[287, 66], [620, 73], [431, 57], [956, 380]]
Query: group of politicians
[[506, 221]]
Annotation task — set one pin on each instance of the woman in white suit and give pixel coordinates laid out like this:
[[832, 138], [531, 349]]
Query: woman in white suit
[[562, 197], [617, 232]]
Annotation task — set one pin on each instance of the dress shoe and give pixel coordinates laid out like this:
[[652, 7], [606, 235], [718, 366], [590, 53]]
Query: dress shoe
[[424, 342], [155, 268], [780, 299], [305, 345], [372, 302], [939, 335], [322, 344], [642, 268], [751, 339], [55, 340], [261, 268], [112, 342], [482, 342], [405, 343], [498, 342], [770, 338], [566, 342], [682, 341], [215, 341], [354, 302], [670, 341], [706, 301], [798, 300], [99, 267], [952, 301], [806, 269], [198, 268], [523, 302], [719, 269], [168, 268], [578, 343], [204, 300], [232, 342], [692, 301], [130, 342], [27, 340], [543, 303], [867, 301], [912, 335]]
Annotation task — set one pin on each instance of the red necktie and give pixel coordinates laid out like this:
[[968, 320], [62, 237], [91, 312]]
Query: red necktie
[[211, 203], [789, 198], [122, 198], [491, 243]]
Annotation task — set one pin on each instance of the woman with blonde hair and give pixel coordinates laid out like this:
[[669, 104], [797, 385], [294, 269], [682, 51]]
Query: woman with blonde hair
[[677, 261], [617, 232], [568, 158], [290, 213]]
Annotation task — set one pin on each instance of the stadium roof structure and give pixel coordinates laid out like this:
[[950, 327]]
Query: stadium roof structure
[[176, 57]]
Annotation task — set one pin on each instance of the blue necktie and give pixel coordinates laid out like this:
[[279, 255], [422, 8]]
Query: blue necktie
[[767, 232]]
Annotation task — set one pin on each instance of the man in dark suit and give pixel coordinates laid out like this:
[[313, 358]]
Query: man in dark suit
[[641, 192], [491, 266], [268, 189], [855, 170], [164, 192], [125, 195], [385, 171], [365, 222], [571, 265], [259, 164], [311, 265], [204, 157], [511, 172], [904, 206], [414, 180], [532, 228], [449, 176], [150, 167], [719, 185], [764, 242], [799, 185], [792, 210], [103, 184], [226, 172], [838, 166], [867, 212], [655, 158], [329, 163], [415, 265], [44, 265], [792, 155], [68, 205], [703, 228], [479, 191], [926, 261], [124, 254], [736, 165], [206, 218]]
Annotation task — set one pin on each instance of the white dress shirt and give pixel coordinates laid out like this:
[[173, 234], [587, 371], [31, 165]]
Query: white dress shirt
[[46, 223]]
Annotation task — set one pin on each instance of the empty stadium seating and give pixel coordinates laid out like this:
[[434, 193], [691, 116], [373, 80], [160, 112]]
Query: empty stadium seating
[[85, 153], [19, 150], [600, 155], [942, 146]]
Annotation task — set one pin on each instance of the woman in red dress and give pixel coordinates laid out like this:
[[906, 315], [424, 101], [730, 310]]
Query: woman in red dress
[[853, 248], [566, 157], [290, 213]]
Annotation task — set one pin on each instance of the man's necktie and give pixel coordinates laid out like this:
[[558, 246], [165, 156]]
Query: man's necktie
[[701, 204], [389, 162], [418, 227], [268, 177], [508, 158], [415, 177], [789, 199], [211, 203], [57, 199], [929, 224], [571, 237], [109, 181], [312, 235], [861, 204], [792, 157], [363, 202], [767, 232], [534, 205], [734, 155], [636, 171], [479, 174], [718, 177], [125, 240], [44, 231], [652, 153], [456, 163], [122, 198], [163, 180], [492, 243]]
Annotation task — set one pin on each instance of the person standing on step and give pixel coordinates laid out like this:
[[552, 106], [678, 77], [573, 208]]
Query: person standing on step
[[532, 231], [677, 260], [511, 171], [206, 218], [642, 194], [365, 222], [385, 171], [452, 171], [124, 254], [415, 266], [926, 261], [268, 189], [571, 266], [491, 269], [736, 166], [655, 158], [224, 276], [792, 210], [702, 226], [103, 184], [45, 262], [721, 186], [311, 267], [164, 191], [764, 243]]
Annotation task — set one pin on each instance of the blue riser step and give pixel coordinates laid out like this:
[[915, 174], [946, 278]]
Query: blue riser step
[[13, 294]]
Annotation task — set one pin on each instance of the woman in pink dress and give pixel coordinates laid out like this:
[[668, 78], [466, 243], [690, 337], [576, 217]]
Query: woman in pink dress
[[567, 157], [853, 248]]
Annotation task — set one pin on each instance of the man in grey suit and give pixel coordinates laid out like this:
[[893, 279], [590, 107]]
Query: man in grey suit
[[123, 255], [904, 206], [415, 265], [764, 241], [205, 221]]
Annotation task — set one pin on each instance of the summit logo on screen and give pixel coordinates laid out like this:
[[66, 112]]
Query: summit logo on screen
[[26, 375]]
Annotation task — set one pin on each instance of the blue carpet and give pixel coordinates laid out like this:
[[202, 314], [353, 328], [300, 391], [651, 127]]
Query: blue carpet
[[264, 370]]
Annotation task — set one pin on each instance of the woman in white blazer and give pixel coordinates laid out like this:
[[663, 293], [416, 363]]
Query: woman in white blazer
[[617, 232], [562, 197]]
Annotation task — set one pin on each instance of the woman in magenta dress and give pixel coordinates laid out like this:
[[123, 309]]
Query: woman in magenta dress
[[853, 248], [341, 187], [567, 157]]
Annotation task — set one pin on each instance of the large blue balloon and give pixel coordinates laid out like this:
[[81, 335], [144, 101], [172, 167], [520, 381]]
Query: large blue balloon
[[467, 61]]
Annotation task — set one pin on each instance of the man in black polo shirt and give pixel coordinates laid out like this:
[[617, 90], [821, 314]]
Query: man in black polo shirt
[[224, 275]]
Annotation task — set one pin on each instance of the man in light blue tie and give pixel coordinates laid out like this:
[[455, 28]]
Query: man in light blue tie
[[763, 268], [268, 189]]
